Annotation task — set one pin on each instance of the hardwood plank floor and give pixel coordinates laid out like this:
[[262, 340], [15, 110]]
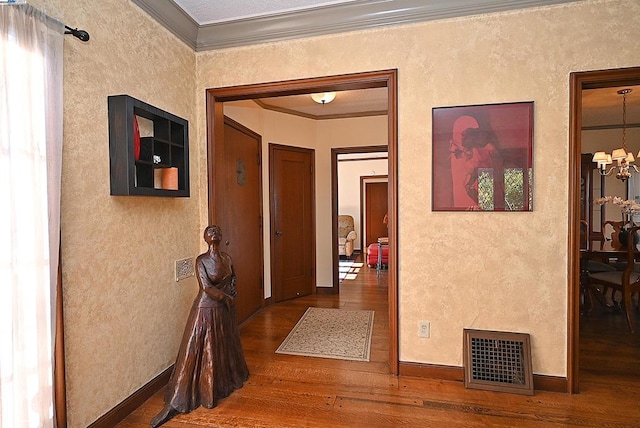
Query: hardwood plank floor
[[608, 351], [294, 391]]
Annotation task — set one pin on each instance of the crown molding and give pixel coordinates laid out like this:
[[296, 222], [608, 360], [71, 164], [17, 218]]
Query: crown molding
[[352, 16], [173, 18]]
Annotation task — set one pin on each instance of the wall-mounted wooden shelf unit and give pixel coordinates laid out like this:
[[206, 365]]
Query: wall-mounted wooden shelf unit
[[141, 155]]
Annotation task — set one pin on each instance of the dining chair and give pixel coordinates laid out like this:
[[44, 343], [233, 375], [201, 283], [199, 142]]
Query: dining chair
[[589, 266], [627, 282], [611, 229]]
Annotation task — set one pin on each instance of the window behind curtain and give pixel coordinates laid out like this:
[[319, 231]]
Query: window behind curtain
[[30, 154]]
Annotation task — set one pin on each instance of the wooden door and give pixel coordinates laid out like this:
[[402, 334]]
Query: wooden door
[[292, 221], [376, 197], [240, 208]]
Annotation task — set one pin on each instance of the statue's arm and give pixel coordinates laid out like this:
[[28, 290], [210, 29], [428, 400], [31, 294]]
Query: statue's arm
[[209, 288], [232, 288]]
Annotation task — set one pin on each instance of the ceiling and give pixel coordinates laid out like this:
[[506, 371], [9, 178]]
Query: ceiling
[[212, 12], [357, 103], [217, 24], [602, 107]]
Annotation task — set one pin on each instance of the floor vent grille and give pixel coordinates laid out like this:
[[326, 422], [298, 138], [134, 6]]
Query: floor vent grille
[[498, 361]]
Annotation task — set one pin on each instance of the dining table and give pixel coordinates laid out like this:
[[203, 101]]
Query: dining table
[[599, 247], [600, 255]]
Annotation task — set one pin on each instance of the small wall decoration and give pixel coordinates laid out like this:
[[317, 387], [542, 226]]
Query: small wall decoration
[[482, 157], [241, 172]]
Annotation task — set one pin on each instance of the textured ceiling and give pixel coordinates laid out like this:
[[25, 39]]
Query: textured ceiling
[[218, 24], [211, 12]]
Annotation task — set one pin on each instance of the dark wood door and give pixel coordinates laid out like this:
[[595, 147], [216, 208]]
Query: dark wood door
[[240, 208], [292, 221], [376, 197]]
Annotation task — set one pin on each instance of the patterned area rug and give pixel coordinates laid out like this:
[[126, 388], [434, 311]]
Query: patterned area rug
[[331, 333]]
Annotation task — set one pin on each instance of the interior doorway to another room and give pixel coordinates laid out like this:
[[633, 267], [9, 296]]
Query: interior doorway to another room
[[382, 80], [581, 197], [350, 165]]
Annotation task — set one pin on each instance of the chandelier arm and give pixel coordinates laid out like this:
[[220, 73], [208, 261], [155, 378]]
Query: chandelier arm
[[607, 173]]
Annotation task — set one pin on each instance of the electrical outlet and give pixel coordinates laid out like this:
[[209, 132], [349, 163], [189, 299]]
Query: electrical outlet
[[424, 329]]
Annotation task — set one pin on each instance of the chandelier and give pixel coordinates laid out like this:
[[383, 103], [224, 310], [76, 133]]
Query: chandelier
[[623, 158]]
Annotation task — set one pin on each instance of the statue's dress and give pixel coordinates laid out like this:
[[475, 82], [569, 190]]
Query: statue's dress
[[210, 364]]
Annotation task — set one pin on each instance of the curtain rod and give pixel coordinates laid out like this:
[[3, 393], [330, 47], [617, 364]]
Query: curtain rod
[[80, 34]]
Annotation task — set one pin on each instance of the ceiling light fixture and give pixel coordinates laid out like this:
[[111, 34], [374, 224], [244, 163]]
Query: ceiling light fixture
[[324, 97], [623, 158]]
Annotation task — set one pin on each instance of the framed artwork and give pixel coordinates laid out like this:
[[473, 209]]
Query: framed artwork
[[482, 157]]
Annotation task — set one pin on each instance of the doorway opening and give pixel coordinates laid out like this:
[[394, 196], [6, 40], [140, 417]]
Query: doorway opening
[[216, 97], [357, 154], [579, 82]]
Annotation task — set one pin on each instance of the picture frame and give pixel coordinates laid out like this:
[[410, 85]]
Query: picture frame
[[483, 157]]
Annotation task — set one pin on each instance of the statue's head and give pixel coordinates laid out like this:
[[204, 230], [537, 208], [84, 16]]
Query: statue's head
[[212, 233]]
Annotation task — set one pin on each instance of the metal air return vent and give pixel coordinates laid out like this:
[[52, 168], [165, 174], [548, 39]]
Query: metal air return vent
[[498, 361]]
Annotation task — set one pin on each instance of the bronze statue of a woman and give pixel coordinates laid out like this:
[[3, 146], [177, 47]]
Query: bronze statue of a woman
[[210, 363]]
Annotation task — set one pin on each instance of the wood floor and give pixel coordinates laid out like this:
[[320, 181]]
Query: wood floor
[[609, 353], [292, 391]]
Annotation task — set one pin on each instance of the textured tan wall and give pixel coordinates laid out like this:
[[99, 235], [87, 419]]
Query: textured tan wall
[[503, 271], [124, 313]]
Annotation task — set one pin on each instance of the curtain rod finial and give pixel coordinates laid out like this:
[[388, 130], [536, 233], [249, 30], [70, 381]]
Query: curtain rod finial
[[80, 34]]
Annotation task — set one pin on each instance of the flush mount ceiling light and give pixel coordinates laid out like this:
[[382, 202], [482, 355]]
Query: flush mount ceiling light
[[324, 97], [624, 168]]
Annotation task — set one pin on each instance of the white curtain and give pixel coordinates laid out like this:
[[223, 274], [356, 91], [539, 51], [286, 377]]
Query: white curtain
[[30, 169]]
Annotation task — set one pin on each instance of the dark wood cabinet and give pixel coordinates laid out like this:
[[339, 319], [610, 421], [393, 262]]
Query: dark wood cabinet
[[148, 148]]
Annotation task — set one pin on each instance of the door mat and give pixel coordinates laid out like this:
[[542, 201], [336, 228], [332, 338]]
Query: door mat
[[331, 333]]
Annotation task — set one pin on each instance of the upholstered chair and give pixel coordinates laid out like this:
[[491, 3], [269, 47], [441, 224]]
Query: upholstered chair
[[346, 235]]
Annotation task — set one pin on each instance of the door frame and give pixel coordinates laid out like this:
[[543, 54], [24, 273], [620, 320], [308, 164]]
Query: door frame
[[215, 97], [577, 82]]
